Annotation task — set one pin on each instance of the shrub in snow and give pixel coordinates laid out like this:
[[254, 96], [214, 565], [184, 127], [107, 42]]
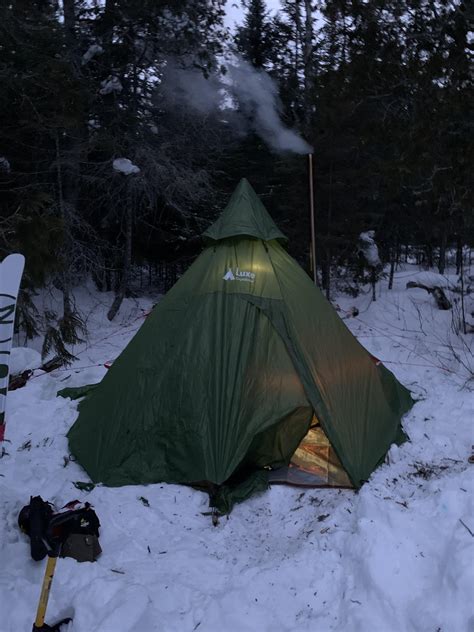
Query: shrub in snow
[[91, 52], [125, 166], [111, 84]]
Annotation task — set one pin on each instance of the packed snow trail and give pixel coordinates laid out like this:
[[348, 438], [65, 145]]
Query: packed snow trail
[[396, 557]]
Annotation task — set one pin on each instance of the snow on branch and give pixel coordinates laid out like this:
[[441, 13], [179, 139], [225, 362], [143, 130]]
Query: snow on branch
[[369, 248], [111, 84], [125, 166], [4, 164], [91, 52]]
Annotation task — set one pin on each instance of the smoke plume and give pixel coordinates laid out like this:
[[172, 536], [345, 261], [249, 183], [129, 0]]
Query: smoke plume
[[246, 96]]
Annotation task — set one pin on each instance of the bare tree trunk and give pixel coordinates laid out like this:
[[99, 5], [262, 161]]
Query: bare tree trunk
[[68, 175], [429, 255], [463, 311], [459, 261], [393, 261], [373, 280], [65, 273], [392, 269], [398, 254], [108, 278], [442, 253], [127, 264]]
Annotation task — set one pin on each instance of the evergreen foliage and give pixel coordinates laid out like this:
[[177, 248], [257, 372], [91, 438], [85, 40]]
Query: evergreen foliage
[[382, 90]]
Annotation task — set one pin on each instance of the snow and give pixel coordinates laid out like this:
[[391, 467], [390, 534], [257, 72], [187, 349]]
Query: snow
[[23, 358], [91, 52], [111, 84], [4, 164], [125, 166], [369, 248], [395, 557]]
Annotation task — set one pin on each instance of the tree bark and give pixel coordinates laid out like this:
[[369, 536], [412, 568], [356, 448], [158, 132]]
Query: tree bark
[[394, 250], [429, 255], [442, 253], [127, 264], [68, 160], [392, 268], [463, 309], [459, 261]]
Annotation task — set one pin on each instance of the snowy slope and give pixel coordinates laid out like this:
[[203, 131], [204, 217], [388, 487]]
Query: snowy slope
[[396, 557]]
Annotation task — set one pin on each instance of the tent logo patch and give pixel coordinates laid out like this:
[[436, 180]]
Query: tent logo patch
[[239, 275]]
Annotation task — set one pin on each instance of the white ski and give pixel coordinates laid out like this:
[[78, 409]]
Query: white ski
[[11, 270]]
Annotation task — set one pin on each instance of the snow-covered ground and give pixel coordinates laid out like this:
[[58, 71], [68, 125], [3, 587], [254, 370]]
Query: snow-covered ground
[[396, 557]]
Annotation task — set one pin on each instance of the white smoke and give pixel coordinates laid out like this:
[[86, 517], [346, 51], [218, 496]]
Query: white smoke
[[249, 96], [192, 87], [257, 94]]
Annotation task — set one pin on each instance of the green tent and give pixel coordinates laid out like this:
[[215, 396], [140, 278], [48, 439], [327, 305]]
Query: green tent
[[242, 367]]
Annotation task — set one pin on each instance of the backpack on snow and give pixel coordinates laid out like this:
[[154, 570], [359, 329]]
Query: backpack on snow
[[75, 529]]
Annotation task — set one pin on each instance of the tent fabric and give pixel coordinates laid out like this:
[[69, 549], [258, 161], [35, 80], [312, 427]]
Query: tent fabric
[[226, 373], [76, 392], [245, 215]]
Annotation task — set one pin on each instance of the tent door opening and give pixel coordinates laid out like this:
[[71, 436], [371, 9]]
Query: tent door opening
[[313, 464]]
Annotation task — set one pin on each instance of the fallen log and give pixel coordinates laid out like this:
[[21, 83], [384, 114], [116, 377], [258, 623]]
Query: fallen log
[[440, 297], [20, 380]]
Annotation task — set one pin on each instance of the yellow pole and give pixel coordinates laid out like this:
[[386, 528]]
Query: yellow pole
[[44, 596]]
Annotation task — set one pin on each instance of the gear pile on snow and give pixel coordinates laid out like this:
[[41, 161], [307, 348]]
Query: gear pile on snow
[[75, 527]]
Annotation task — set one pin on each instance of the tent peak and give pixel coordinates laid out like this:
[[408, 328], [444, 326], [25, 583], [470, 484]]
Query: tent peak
[[244, 215]]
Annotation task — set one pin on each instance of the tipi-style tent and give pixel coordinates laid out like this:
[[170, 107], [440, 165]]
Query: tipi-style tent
[[242, 367]]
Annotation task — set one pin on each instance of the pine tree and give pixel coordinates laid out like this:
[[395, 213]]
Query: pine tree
[[254, 39]]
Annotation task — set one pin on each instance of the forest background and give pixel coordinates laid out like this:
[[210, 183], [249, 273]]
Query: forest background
[[127, 125]]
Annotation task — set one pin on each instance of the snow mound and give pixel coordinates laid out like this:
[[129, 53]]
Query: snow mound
[[23, 358], [125, 166]]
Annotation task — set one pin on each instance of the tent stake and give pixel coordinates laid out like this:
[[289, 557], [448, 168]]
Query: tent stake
[[311, 214]]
